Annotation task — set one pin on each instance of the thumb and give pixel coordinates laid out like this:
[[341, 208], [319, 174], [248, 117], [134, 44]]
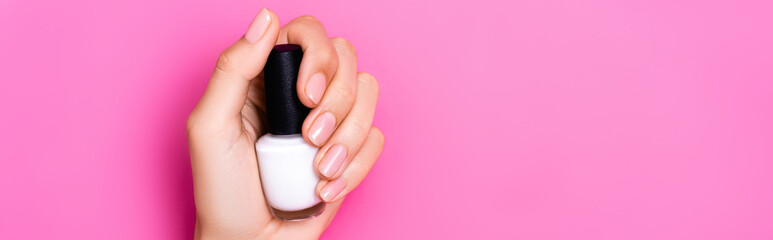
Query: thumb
[[236, 67]]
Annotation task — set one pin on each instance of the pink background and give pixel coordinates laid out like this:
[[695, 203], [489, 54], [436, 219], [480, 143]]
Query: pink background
[[504, 120]]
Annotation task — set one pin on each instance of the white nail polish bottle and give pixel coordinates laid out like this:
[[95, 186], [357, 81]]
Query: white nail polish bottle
[[285, 160]]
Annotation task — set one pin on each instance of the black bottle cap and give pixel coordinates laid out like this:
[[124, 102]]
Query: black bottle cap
[[284, 110]]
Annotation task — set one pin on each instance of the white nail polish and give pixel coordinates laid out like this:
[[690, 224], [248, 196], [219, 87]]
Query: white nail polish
[[285, 160]]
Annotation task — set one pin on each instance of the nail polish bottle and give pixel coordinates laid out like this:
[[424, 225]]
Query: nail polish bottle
[[285, 160]]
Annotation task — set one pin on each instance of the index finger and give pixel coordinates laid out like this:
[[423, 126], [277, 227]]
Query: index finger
[[320, 59]]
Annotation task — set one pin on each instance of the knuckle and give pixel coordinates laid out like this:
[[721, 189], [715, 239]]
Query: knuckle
[[361, 129], [345, 45], [328, 55], [368, 82], [346, 93], [306, 19], [377, 135], [224, 63], [199, 126], [191, 124]]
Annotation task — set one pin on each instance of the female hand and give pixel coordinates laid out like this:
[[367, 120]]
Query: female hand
[[224, 126]]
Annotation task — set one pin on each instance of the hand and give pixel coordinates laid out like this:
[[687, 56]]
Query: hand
[[224, 126]]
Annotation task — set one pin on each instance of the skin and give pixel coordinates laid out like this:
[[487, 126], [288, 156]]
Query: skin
[[224, 126]]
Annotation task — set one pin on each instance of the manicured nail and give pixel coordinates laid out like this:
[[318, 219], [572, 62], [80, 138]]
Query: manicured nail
[[332, 189], [322, 128], [258, 27], [315, 87], [332, 160]]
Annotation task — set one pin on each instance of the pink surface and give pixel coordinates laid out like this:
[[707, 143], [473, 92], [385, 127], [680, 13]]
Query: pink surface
[[504, 120]]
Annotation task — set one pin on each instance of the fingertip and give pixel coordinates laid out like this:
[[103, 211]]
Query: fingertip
[[315, 88], [259, 26], [273, 30], [333, 190], [274, 19], [320, 59], [322, 128], [332, 161], [319, 65]]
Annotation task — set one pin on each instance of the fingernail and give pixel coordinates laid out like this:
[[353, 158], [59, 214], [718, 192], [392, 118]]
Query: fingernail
[[332, 189], [258, 27], [316, 87], [322, 128], [332, 160]]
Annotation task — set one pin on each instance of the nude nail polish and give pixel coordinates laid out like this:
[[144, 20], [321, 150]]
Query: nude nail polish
[[332, 161], [315, 87], [285, 160], [258, 27], [322, 128], [333, 189]]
